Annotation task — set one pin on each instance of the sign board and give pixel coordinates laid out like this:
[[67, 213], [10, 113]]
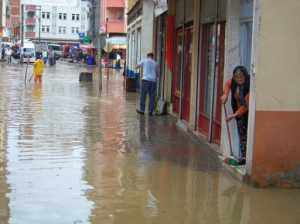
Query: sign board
[[160, 6], [102, 29], [81, 35]]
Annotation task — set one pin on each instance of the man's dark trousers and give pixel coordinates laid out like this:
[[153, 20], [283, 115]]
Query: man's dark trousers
[[148, 87]]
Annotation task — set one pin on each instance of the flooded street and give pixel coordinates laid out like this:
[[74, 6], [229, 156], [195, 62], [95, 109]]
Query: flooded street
[[72, 154]]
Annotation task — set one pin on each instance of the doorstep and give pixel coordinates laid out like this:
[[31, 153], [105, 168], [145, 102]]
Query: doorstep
[[238, 172]]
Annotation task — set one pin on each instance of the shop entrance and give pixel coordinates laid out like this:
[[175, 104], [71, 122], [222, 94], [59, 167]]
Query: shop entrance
[[183, 62], [211, 81]]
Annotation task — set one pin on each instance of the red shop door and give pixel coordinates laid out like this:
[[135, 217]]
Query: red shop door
[[208, 66], [187, 74], [177, 72]]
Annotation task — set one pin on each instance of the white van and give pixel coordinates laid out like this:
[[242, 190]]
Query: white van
[[28, 52]]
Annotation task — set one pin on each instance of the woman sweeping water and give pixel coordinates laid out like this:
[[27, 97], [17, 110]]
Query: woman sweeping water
[[239, 87]]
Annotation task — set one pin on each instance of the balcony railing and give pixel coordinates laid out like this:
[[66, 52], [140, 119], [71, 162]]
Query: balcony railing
[[30, 34], [115, 3], [115, 26], [30, 21], [30, 8]]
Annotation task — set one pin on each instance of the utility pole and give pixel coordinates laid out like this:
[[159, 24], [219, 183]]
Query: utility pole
[[22, 25], [40, 14], [98, 37]]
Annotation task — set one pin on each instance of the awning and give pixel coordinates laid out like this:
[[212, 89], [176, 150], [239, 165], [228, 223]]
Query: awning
[[117, 40], [115, 43]]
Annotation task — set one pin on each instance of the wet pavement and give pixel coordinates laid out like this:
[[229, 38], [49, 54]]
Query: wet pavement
[[70, 153]]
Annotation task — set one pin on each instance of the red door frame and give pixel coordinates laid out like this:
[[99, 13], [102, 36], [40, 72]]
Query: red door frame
[[188, 39], [176, 75], [204, 119]]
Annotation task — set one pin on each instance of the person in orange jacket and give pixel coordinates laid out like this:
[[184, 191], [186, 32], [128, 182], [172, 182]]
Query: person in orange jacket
[[38, 70], [239, 87]]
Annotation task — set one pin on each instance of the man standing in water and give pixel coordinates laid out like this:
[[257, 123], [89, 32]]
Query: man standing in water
[[150, 71]]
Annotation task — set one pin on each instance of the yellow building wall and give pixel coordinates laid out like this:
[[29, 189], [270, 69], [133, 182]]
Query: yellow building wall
[[278, 73], [276, 154], [131, 3]]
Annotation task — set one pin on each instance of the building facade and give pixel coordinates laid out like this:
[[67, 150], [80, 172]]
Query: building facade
[[140, 32], [198, 44], [13, 19], [51, 23], [113, 17], [7, 17]]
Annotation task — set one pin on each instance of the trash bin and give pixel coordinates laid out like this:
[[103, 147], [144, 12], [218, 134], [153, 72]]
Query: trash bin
[[90, 60], [131, 81], [85, 77]]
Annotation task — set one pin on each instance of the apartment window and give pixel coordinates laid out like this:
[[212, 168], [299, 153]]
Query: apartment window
[[62, 30], [75, 17], [45, 29], [46, 15], [75, 30], [62, 16], [30, 29]]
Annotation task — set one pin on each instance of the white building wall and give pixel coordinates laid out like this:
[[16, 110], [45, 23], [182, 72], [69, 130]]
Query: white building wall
[[140, 36], [56, 24], [147, 27], [3, 19]]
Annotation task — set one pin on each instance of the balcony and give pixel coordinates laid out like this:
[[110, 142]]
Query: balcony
[[30, 8], [115, 3], [29, 34], [115, 26], [30, 22]]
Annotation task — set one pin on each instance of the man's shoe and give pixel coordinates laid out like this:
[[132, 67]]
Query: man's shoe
[[151, 114], [242, 161], [140, 112]]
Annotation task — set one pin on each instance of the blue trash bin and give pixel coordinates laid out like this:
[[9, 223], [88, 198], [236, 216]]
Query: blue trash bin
[[90, 60]]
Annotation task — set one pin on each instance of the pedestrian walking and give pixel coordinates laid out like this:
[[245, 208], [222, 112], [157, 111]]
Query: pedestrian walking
[[9, 55], [150, 72], [38, 70], [45, 56], [239, 87], [3, 52]]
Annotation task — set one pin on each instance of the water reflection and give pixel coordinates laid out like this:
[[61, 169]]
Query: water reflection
[[45, 156], [69, 154]]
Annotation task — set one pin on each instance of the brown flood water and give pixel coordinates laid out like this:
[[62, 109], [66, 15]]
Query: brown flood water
[[70, 154]]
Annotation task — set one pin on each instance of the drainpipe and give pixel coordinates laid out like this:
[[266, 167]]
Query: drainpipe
[[182, 64], [216, 62]]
